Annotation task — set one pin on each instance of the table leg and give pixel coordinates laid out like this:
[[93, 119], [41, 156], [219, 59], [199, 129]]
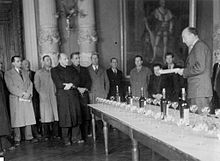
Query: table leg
[[135, 150], [105, 131], [93, 127]]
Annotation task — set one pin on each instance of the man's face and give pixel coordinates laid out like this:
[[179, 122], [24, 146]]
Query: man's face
[[17, 62], [95, 60], [47, 62], [75, 60], [64, 60], [156, 70], [169, 59], [114, 63], [162, 3], [217, 56], [138, 62], [26, 65]]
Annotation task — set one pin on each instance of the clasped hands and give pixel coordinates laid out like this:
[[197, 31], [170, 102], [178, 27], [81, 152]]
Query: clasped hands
[[68, 86]]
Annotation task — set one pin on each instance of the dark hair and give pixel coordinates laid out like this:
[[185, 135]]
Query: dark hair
[[45, 56], [95, 53], [138, 56], [193, 30], [13, 58], [113, 59], [169, 53], [74, 53], [157, 65]]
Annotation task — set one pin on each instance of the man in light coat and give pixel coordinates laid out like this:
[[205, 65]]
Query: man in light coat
[[21, 107], [48, 104], [100, 82]]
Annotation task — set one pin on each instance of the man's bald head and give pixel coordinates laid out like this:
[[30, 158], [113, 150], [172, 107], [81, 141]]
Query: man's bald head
[[26, 65], [189, 35], [63, 59]]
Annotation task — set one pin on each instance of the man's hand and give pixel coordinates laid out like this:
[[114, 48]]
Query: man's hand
[[179, 71], [81, 90], [26, 95], [68, 86]]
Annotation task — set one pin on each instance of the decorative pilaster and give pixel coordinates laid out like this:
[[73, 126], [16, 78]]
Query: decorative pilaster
[[48, 31], [192, 13], [87, 36], [31, 52]]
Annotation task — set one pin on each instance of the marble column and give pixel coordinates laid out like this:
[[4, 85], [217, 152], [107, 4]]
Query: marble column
[[30, 33], [87, 35], [192, 13], [48, 30]]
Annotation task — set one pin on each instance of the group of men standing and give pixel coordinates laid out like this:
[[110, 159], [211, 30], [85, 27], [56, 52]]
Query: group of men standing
[[63, 92]]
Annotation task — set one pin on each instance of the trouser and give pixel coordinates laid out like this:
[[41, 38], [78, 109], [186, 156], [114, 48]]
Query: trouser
[[4, 143], [201, 102], [50, 129], [71, 133], [85, 128], [27, 133]]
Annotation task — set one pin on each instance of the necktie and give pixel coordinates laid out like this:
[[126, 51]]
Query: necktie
[[96, 69], [19, 71], [216, 75]]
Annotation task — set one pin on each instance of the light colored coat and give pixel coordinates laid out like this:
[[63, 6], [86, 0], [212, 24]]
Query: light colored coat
[[22, 112], [46, 89], [100, 84]]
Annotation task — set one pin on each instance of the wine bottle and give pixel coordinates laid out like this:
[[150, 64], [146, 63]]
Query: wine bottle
[[142, 100], [184, 108], [129, 98], [163, 104], [117, 97]]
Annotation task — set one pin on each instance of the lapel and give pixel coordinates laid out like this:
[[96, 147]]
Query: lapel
[[17, 74], [192, 51]]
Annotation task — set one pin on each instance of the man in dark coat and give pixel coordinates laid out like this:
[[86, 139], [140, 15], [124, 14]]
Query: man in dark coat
[[172, 82], [115, 77], [5, 129], [66, 80], [35, 99], [198, 70], [155, 83], [216, 83], [83, 88]]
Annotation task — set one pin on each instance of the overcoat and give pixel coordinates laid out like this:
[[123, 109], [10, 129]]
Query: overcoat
[[4, 118], [69, 111], [46, 89], [21, 112], [100, 84]]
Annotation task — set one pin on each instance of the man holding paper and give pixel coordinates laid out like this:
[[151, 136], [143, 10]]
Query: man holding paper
[[197, 70]]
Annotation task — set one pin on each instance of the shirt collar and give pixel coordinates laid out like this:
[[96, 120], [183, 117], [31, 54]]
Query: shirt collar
[[195, 41]]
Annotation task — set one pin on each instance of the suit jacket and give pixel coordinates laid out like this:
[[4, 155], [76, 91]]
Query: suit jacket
[[100, 84], [217, 77], [115, 79], [22, 112], [198, 71], [155, 85]]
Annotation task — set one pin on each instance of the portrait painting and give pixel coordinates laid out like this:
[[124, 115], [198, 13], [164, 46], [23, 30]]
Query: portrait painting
[[152, 28]]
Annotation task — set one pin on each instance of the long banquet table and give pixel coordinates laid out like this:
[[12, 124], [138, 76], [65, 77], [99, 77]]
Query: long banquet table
[[176, 143]]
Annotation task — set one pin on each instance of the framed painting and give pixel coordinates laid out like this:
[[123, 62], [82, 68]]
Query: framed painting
[[151, 28]]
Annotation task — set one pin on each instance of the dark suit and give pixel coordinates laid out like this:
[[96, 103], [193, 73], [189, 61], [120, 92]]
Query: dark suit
[[85, 82], [173, 84], [155, 85], [115, 79], [198, 74], [216, 87]]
